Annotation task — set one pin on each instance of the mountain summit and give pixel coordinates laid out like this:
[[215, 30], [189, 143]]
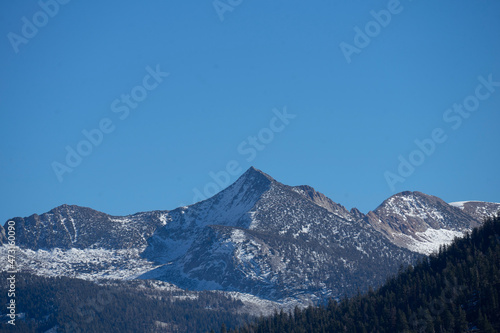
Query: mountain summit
[[422, 222]]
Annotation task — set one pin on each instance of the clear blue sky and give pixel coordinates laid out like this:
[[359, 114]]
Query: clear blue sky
[[227, 72]]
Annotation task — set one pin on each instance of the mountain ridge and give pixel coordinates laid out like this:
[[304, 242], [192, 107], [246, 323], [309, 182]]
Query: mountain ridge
[[258, 250], [422, 222], [257, 236]]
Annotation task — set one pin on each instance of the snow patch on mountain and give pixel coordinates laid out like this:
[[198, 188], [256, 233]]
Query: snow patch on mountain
[[458, 204], [429, 241], [412, 206], [86, 264], [264, 307]]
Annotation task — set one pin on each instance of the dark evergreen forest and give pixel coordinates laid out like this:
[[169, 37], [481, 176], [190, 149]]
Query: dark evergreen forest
[[75, 305]]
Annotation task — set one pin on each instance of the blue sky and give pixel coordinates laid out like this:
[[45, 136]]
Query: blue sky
[[348, 118]]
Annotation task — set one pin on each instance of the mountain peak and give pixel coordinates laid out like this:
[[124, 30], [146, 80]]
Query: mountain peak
[[414, 219], [253, 180], [253, 172], [408, 198]]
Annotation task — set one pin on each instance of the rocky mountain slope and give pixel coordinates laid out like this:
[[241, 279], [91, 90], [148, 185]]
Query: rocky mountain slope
[[421, 222], [478, 209], [272, 240], [258, 237], [67, 227]]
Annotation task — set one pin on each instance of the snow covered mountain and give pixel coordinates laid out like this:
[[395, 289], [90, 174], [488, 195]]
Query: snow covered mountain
[[271, 240], [421, 222], [258, 237], [67, 227], [83, 243]]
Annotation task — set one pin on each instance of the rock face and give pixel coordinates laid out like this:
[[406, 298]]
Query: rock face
[[323, 201], [257, 236]]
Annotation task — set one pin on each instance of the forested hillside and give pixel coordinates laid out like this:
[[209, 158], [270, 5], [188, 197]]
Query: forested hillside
[[74, 305], [456, 290]]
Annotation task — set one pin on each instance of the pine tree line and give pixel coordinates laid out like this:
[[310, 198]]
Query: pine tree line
[[75, 305]]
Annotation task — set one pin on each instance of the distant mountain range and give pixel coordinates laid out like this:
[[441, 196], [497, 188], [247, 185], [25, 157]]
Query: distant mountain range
[[258, 237]]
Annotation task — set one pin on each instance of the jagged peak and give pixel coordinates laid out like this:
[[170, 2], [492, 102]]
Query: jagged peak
[[356, 213], [254, 172], [323, 201], [249, 186], [251, 179], [308, 189], [312, 194]]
